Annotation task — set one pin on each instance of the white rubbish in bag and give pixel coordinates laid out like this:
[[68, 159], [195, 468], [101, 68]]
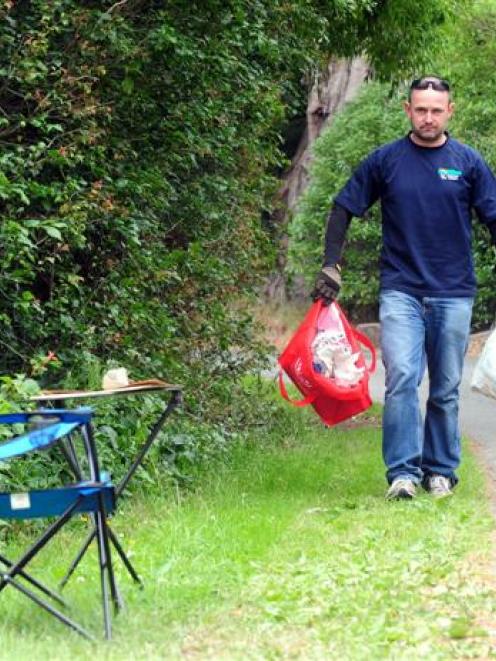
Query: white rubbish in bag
[[332, 353], [484, 377]]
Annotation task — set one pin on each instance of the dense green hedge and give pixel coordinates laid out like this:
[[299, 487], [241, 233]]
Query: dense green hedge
[[376, 117]]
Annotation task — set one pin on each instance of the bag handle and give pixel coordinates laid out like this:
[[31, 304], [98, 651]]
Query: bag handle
[[366, 342], [302, 402]]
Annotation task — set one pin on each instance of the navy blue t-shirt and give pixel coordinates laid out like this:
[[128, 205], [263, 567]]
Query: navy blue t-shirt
[[426, 194]]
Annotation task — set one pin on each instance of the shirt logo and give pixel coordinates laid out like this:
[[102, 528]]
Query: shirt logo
[[448, 174]]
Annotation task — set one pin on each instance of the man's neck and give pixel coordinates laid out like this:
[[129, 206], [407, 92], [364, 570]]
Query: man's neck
[[439, 142]]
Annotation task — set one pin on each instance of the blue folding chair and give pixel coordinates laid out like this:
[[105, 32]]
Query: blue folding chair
[[94, 495]]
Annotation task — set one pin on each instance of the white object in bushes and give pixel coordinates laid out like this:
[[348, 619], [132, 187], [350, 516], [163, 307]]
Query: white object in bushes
[[115, 378], [484, 377]]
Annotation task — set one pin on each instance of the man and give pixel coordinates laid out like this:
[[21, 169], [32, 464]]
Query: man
[[428, 184]]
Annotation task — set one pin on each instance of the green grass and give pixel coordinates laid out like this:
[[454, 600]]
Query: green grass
[[290, 552]]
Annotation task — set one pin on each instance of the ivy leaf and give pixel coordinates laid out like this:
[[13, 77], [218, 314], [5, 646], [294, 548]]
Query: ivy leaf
[[53, 232]]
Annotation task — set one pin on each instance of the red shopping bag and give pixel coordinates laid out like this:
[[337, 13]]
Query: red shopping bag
[[333, 402]]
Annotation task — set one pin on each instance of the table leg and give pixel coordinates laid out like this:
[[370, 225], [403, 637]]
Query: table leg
[[174, 401]]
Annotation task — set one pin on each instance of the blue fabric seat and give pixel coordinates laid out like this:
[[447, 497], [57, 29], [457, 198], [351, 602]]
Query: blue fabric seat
[[54, 502]]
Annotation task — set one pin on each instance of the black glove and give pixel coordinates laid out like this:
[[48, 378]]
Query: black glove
[[327, 284]]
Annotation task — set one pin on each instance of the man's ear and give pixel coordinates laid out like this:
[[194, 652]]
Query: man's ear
[[451, 108], [407, 107]]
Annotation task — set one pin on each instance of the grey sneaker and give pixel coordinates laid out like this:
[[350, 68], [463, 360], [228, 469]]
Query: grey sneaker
[[439, 486], [401, 487]]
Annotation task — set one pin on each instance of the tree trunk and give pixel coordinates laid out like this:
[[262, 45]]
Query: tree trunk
[[331, 89]]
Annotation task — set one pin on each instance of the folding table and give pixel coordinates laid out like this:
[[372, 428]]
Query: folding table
[[174, 393]]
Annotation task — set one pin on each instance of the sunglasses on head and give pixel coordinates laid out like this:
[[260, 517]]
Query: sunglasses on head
[[437, 84]]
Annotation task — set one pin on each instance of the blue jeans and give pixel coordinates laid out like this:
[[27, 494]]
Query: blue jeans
[[420, 332]]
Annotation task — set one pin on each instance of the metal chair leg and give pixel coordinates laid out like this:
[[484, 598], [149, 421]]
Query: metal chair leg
[[123, 557], [16, 568], [56, 613], [35, 583], [78, 558], [102, 558], [114, 593]]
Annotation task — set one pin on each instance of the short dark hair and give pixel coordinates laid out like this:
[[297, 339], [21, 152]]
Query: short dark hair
[[429, 82]]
